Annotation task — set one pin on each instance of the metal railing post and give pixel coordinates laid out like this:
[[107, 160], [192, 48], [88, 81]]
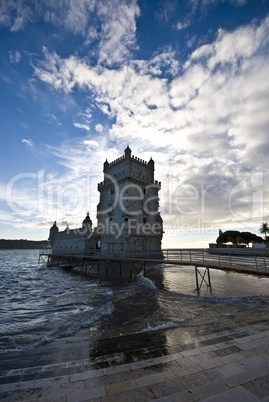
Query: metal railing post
[[196, 277], [257, 268]]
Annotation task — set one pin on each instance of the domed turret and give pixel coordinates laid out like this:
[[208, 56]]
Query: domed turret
[[87, 224], [53, 232]]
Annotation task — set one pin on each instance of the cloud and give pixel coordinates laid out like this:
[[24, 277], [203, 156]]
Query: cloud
[[82, 126], [163, 62], [165, 10], [77, 15], [207, 104], [118, 30], [28, 142], [214, 109], [53, 118], [99, 128], [17, 14], [232, 49], [91, 144], [205, 122], [204, 4], [14, 56], [65, 195], [111, 23], [182, 25]]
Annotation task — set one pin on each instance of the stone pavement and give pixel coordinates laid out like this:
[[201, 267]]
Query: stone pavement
[[231, 365]]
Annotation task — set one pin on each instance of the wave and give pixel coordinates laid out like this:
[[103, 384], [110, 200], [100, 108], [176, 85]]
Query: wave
[[77, 326], [146, 282], [86, 323], [248, 302], [42, 341]]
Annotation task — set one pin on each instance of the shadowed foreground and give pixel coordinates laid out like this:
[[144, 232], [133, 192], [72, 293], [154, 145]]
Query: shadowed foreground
[[170, 365]]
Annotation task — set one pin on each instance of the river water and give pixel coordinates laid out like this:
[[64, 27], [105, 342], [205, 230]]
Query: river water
[[40, 304]]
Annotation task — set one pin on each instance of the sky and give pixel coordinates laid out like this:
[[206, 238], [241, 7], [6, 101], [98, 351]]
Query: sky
[[182, 81]]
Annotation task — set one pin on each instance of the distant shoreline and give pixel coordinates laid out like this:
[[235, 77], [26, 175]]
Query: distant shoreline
[[23, 244]]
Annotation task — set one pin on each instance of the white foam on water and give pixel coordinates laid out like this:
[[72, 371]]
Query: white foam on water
[[167, 325], [247, 302], [146, 282], [86, 323], [77, 326], [44, 340]]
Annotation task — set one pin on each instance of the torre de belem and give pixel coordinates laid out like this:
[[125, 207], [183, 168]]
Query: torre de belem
[[128, 218]]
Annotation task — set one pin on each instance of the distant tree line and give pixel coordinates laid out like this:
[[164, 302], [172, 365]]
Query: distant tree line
[[22, 244], [236, 238]]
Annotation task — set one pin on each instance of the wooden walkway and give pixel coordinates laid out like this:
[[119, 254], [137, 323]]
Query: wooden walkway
[[130, 266]]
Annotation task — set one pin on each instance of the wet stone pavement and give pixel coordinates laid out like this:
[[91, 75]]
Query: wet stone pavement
[[168, 365]]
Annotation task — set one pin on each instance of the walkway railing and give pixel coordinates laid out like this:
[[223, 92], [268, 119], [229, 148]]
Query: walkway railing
[[198, 257], [134, 262], [219, 259]]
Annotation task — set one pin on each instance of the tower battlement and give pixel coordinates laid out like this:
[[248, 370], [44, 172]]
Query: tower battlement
[[121, 158], [128, 155], [128, 167]]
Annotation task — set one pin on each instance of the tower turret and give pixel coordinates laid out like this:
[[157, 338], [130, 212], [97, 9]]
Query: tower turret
[[151, 163], [53, 232], [106, 165], [87, 223], [128, 152]]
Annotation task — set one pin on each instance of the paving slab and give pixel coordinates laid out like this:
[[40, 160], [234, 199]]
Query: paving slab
[[85, 395], [121, 387], [259, 387], [238, 394], [230, 365], [198, 392], [155, 378]]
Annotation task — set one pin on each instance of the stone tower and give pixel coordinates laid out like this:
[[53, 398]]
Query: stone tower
[[128, 212]]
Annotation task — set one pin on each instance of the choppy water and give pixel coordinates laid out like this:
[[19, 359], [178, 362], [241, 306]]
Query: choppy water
[[39, 304]]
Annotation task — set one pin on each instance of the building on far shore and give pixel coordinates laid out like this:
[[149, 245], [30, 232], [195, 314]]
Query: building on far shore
[[128, 218]]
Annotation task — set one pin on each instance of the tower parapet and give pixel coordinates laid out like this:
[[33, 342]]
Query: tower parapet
[[128, 167], [127, 155]]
